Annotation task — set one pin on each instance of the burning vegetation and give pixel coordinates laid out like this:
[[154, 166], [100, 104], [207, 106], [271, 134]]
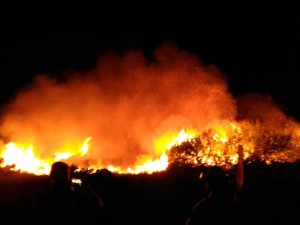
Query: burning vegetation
[[133, 115], [259, 144]]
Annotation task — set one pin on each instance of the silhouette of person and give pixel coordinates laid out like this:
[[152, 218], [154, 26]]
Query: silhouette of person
[[88, 205], [218, 206], [61, 203]]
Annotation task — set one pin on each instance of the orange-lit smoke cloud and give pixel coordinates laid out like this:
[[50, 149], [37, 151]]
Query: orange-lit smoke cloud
[[123, 104], [263, 108]]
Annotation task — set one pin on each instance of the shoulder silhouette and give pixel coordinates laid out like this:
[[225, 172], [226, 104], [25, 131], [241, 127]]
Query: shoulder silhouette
[[218, 206], [61, 203]]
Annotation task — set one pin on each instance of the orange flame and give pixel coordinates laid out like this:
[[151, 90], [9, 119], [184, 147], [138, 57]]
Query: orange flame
[[218, 146], [128, 115], [25, 160]]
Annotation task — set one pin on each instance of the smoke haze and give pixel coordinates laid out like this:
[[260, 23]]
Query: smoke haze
[[124, 104]]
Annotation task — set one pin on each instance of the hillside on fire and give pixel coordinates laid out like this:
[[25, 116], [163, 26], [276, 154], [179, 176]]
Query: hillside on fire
[[127, 112], [141, 129]]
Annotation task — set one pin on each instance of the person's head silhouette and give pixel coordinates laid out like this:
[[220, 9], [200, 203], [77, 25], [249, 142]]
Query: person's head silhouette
[[214, 178], [60, 174]]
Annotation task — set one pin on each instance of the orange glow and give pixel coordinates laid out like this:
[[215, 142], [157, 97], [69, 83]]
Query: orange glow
[[149, 165], [216, 146], [131, 115], [85, 147], [170, 139], [62, 156], [24, 159]]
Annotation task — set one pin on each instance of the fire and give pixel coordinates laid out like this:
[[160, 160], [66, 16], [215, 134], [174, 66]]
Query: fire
[[149, 165], [132, 115], [66, 155], [219, 145], [216, 146], [170, 139], [85, 146], [62, 156], [24, 159]]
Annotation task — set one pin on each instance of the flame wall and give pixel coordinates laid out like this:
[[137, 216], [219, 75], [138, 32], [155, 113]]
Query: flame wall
[[124, 104]]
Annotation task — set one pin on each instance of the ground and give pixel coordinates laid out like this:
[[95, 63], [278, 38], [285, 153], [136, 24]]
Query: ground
[[270, 194]]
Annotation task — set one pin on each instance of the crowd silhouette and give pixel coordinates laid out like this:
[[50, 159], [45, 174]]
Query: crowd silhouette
[[64, 204], [178, 196]]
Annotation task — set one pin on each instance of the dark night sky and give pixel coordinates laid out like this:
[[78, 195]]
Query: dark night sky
[[257, 53]]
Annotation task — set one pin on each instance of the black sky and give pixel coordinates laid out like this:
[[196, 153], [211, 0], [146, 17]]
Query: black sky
[[258, 54]]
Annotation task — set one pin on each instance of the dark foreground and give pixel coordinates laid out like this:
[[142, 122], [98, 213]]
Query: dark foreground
[[271, 195]]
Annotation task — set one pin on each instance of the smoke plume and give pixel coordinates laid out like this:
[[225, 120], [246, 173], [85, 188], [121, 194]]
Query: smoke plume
[[123, 105]]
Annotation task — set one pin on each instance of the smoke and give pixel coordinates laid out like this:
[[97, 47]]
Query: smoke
[[123, 104], [263, 108]]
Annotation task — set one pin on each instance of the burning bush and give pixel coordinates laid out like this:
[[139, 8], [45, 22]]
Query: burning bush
[[219, 147]]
